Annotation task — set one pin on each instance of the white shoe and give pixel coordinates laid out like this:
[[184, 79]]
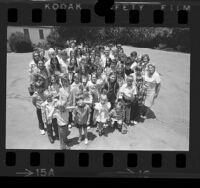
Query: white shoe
[[86, 141], [88, 128], [135, 122], [69, 126], [42, 132]]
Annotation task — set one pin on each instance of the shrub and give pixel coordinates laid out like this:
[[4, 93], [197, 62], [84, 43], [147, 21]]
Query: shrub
[[19, 43], [42, 45], [148, 37]]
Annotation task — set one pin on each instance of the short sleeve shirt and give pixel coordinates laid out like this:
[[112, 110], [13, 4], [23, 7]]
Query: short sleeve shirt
[[128, 91], [150, 82]]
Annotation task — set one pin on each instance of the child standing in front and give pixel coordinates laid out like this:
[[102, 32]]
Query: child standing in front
[[102, 113], [48, 108], [117, 116], [81, 117], [61, 113]]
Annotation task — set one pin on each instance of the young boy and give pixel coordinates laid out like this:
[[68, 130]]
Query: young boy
[[117, 114], [81, 117], [128, 92], [61, 113], [48, 108]]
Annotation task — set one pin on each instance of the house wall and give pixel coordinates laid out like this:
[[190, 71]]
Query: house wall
[[33, 32]]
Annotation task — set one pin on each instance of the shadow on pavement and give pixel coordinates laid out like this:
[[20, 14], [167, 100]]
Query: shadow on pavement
[[72, 141], [151, 115], [108, 130], [91, 136]]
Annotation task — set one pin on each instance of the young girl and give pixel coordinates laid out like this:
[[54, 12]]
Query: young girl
[[54, 86], [102, 113], [93, 88], [81, 117], [65, 95]]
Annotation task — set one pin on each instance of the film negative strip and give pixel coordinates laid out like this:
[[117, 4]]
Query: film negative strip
[[99, 89]]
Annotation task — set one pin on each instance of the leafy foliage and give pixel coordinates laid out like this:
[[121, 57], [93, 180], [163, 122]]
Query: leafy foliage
[[177, 39], [19, 43]]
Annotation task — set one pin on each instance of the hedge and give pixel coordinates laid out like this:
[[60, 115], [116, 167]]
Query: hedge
[[19, 43], [177, 39]]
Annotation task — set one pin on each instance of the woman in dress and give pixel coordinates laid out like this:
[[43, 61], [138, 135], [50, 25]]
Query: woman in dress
[[152, 83], [111, 87]]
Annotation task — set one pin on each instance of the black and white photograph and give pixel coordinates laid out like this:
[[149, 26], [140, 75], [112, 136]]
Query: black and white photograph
[[98, 88]]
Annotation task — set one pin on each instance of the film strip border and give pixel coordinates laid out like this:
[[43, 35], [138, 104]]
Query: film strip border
[[130, 13], [99, 163]]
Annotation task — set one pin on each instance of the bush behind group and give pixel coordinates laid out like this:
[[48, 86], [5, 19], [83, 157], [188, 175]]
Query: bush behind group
[[171, 39]]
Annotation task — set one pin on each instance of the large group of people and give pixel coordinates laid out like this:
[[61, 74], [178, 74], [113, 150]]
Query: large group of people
[[88, 87]]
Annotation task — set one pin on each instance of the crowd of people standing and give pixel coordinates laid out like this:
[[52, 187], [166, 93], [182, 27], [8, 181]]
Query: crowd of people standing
[[87, 86]]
